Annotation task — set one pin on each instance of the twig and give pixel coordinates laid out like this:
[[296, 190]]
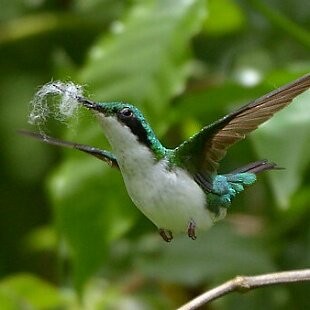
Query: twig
[[246, 283]]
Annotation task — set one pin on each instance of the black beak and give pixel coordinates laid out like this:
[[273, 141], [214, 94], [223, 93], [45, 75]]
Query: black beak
[[91, 105]]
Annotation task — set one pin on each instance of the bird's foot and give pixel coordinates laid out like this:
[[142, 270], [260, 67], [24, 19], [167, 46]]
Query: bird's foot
[[191, 230], [165, 234]]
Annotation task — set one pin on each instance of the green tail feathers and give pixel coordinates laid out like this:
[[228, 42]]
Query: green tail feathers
[[226, 187]]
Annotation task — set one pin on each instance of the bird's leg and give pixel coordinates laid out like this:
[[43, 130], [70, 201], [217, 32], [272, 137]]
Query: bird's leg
[[165, 234], [191, 229]]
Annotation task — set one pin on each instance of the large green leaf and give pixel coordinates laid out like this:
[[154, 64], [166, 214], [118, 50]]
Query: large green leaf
[[25, 291], [225, 17], [143, 60], [92, 210]]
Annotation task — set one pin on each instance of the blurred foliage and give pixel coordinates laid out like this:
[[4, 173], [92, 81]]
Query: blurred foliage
[[70, 236]]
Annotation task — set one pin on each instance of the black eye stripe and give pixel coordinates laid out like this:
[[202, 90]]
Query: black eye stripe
[[135, 126]]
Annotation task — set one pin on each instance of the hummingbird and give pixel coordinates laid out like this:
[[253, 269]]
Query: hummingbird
[[180, 189]]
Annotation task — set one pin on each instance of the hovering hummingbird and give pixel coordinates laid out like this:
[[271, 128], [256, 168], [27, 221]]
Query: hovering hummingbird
[[180, 189]]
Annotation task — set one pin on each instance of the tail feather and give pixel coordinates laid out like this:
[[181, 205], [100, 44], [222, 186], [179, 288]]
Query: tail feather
[[226, 187], [257, 167]]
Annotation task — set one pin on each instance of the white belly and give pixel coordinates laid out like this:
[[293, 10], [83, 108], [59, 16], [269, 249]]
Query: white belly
[[170, 199]]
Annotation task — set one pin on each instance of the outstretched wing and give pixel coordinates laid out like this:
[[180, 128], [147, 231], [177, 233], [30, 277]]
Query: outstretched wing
[[203, 151], [101, 154]]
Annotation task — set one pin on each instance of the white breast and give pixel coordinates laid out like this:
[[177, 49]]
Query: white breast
[[169, 198]]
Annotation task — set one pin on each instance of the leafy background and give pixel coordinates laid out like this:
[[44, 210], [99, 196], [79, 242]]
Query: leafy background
[[70, 237]]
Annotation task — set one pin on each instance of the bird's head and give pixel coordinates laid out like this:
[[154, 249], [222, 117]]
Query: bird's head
[[119, 119]]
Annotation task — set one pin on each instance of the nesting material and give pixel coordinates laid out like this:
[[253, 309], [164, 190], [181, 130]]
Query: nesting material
[[45, 105]]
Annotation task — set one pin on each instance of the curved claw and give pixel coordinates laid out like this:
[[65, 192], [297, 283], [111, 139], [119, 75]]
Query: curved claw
[[191, 230], [165, 234]]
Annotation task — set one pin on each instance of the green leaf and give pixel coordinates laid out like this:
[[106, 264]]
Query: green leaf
[[224, 17], [42, 239], [285, 140], [144, 58], [25, 291], [92, 210]]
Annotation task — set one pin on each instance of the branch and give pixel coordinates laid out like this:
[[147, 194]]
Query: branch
[[247, 283]]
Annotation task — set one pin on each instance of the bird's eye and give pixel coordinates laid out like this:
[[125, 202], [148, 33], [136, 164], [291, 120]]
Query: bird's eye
[[126, 112]]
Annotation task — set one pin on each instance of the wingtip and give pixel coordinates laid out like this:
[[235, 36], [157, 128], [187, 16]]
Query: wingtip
[[276, 167], [267, 165]]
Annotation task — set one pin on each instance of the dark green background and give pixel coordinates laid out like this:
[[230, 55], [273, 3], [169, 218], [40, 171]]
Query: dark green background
[[69, 235]]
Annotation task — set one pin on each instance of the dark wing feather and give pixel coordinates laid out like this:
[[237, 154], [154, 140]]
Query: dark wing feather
[[203, 151], [101, 154]]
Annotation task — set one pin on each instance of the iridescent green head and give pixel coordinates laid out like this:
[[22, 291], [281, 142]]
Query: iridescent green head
[[129, 116]]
